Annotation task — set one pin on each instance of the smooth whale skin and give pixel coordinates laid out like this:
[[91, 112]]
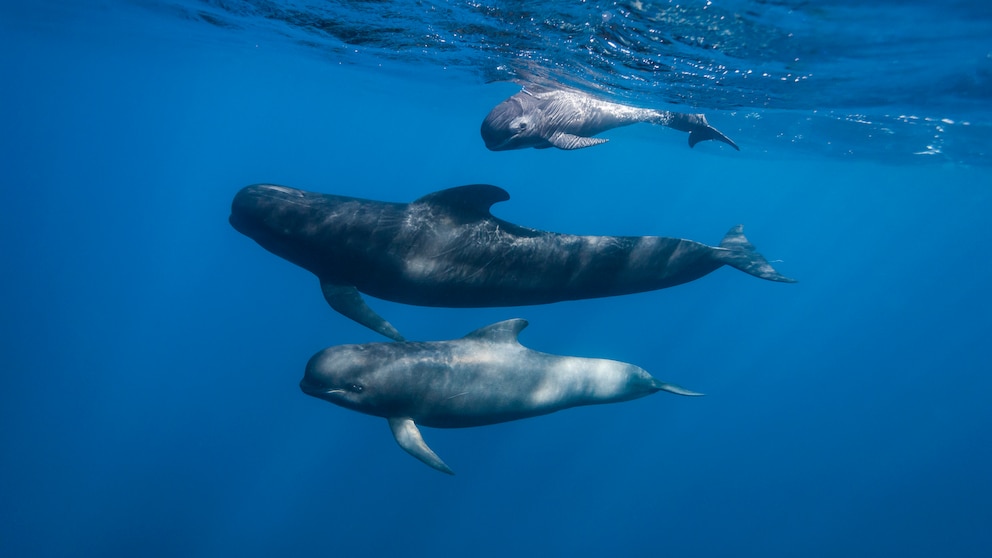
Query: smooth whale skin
[[542, 117], [483, 378], [446, 249]]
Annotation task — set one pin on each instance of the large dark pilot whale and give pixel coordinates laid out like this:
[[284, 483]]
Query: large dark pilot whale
[[486, 377], [542, 117], [446, 249]]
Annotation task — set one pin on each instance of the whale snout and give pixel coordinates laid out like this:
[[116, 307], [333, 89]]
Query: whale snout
[[494, 138], [244, 211], [315, 376], [310, 388]]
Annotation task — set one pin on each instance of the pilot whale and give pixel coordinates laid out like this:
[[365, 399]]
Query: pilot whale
[[483, 378], [446, 249], [567, 119]]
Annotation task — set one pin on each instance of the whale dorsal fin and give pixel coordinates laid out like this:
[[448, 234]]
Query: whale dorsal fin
[[474, 198], [500, 332]]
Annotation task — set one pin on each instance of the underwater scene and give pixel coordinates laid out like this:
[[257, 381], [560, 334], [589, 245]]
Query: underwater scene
[[484, 278]]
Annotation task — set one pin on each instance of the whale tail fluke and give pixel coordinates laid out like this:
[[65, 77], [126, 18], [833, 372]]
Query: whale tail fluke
[[740, 253], [697, 126], [672, 388], [707, 132]]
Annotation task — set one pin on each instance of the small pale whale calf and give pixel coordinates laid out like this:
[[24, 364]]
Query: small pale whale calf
[[486, 377], [567, 119], [446, 249]]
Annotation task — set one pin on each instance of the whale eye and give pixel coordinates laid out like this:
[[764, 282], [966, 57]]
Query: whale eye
[[357, 388]]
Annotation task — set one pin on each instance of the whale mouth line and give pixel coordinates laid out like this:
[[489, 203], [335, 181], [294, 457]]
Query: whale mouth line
[[502, 145], [311, 389], [511, 139]]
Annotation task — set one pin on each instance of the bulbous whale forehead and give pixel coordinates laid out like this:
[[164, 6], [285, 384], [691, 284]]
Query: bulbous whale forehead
[[338, 375], [335, 366], [263, 206], [503, 123], [260, 194]]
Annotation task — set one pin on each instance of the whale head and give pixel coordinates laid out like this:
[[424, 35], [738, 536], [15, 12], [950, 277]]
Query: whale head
[[351, 376], [278, 218], [511, 125], [267, 210]]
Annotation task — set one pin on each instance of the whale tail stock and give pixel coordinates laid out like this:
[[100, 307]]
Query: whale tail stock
[[738, 252]]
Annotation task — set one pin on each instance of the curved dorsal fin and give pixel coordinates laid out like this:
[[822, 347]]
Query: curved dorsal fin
[[474, 198], [500, 332]]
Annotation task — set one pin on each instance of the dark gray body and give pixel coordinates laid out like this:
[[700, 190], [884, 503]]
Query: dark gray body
[[567, 119], [484, 378], [446, 249]]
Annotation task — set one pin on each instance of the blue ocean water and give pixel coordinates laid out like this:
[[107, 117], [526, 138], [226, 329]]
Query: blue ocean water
[[151, 354]]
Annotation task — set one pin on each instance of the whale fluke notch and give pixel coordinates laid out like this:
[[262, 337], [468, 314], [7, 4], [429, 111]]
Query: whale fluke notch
[[408, 437], [473, 198], [506, 331], [741, 254]]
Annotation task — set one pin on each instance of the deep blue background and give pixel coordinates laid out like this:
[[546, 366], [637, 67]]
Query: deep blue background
[[151, 354]]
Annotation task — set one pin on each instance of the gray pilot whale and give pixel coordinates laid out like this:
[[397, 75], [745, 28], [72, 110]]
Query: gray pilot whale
[[567, 119], [483, 378], [446, 249]]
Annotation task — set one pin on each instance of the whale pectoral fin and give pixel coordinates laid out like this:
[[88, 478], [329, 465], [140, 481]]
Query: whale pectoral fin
[[348, 301], [561, 140], [408, 437]]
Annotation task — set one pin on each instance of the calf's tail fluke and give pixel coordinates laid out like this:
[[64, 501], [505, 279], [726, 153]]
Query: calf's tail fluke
[[740, 253], [707, 132], [672, 388], [697, 126]]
